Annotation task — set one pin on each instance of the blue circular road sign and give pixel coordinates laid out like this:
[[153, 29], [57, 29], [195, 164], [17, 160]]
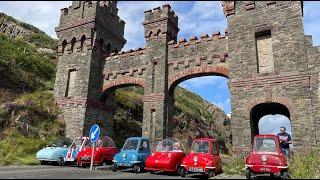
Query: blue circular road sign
[[94, 133]]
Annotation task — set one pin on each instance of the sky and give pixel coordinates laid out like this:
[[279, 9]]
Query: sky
[[195, 18]]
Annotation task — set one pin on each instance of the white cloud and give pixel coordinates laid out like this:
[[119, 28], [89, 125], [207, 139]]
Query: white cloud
[[272, 123], [41, 14], [203, 81]]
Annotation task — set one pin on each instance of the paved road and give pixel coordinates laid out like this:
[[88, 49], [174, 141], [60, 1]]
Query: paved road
[[65, 172]]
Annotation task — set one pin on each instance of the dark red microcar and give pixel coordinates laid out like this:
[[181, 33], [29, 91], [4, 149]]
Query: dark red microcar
[[167, 157], [266, 158], [204, 158], [104, 151]]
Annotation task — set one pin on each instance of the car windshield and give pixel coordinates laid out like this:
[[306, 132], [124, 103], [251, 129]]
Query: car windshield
[[104, 141], [63, 142], [200, 147], [170, 145], [265, 145], [131, 144], [77, 143]]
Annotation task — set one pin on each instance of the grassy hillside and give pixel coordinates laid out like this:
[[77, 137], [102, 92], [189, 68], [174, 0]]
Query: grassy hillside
[[22, 68]]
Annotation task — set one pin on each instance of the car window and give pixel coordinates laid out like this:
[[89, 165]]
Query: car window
[[214, 149], [144, 146], [130, 144], [265, 145], [200, 147], [169, 145]]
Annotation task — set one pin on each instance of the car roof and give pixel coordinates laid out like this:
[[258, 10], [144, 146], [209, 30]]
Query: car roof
[[265, 136], [142, 138], [205, 139]]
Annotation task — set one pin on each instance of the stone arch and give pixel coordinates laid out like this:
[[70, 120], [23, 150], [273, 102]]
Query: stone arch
[[73, 42], [276, 99], [158, 32], [259, 107], [83, 39], [123, 82], [63, 45], [176, 78]]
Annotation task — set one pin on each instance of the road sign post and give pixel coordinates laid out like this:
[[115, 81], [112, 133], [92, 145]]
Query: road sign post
[[94, 136]]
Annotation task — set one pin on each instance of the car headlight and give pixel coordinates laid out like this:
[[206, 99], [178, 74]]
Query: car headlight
[[264, 158]]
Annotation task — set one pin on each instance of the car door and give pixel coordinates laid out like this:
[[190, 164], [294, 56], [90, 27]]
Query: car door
[[144, 150], [215, 155]]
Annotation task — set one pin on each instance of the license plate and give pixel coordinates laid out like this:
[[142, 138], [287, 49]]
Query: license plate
[[122, 164], [265, 169], [193, 169], [85, 158]]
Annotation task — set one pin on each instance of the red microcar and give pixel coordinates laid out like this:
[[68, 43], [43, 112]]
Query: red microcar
[[104, 151], [266, 158], [204, 158], [167, 157]]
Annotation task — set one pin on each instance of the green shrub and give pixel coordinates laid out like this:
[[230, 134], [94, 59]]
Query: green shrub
[[234, 165], [306, 166]]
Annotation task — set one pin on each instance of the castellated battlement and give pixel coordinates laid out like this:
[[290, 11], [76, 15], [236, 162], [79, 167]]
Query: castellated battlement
[[161, 20], [91, 16], [121, 54], [244, 6], [216, 37], [157, 14]]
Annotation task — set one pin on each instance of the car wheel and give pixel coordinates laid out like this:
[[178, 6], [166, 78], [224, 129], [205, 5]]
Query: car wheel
[[285, 175], [248, 173], [137, 168], [79, 164], [182, 172], [114, 168], [61, 161], [211, 174], [43, 162]]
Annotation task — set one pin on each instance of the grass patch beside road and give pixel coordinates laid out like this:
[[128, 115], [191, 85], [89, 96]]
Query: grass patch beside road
[[233, 165], [16, 149], [306, 165]]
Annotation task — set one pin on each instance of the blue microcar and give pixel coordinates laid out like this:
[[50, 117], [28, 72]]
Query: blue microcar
[[133, 154], [54, 152]]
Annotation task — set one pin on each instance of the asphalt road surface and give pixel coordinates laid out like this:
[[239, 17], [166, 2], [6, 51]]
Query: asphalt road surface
[[65, 172]]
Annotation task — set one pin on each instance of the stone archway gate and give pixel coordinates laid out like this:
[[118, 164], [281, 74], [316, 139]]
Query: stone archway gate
[[264, 53]]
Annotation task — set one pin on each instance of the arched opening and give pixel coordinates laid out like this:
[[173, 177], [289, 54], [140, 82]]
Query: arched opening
[[108, 49], [101, 45], [83, 39], [125, 104], [267, 118], [200, 107], [64, 44], [73, 42]]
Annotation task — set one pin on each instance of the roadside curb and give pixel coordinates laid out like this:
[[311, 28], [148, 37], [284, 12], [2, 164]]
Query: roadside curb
[[102, 168]]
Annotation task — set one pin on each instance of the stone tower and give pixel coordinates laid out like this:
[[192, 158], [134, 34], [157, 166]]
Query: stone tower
[[88, 31], [161, 26], [268, 68]]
